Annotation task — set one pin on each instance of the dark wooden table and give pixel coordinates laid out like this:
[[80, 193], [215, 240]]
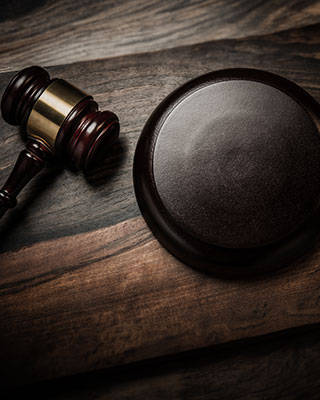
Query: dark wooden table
[[91, 306]]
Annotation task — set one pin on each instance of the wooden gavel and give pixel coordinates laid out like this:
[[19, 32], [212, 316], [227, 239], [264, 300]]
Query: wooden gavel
[[60, 120]]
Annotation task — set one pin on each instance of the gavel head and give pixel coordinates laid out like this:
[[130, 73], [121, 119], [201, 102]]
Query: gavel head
[[62, 118]]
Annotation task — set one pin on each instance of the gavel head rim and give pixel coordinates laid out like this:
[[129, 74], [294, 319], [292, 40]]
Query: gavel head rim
[[11, 106]]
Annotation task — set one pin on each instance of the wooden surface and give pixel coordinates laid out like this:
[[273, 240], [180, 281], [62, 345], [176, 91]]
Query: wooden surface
[[282, 367], [83, 283], [59, 32]]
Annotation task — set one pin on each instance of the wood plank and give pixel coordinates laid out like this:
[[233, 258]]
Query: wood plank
[[115, 296], [60, 32], [60, 202], [83, 283], [282, 367]]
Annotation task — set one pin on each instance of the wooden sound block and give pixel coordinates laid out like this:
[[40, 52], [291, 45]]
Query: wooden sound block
[[227, 172]]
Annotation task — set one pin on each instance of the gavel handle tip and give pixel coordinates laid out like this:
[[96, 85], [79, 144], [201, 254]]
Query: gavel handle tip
[[3, 210]]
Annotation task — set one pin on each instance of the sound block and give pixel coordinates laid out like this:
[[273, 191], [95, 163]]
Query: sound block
[[227, 172]]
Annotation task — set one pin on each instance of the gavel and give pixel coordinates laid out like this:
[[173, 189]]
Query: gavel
[[60, 121]]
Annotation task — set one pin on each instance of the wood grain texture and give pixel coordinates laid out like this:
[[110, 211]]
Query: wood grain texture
[[83, 283], [282, 367], [60, 32], [124, 298]]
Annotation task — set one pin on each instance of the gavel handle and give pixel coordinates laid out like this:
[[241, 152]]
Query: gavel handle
[[29, 163]]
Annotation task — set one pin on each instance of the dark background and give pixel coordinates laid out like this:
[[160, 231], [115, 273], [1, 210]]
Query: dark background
[[91, 306]]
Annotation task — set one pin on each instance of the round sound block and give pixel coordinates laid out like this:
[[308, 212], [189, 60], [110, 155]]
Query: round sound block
[[227, 171]]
